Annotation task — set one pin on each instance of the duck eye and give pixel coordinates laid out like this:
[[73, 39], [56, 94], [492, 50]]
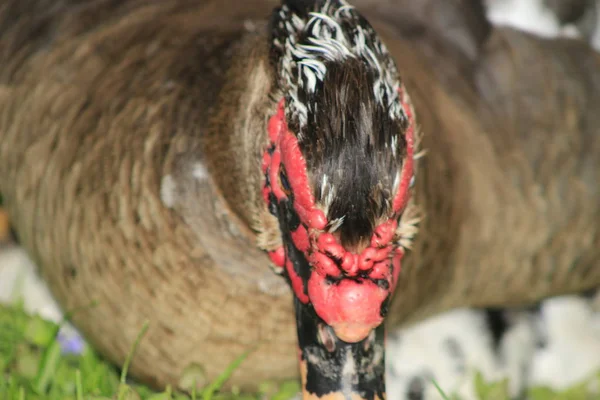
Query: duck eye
[[284, 183]]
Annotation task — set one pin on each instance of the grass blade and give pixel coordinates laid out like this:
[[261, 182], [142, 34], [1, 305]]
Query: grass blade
[[78, 386], [439, 389], [209, 392], [133, 350], [48, 367]]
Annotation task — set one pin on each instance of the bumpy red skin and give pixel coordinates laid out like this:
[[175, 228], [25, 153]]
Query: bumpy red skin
[[352, 307]]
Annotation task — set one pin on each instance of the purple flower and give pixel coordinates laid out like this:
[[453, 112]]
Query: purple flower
[[70, 341]]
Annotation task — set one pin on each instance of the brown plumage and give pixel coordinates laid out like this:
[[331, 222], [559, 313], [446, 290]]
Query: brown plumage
[[131, 137]]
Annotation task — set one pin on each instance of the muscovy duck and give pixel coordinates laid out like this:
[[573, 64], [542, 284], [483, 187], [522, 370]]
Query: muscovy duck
[[156, 156]]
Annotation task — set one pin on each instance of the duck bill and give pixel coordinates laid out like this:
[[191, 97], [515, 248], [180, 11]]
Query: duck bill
[[334, 369]]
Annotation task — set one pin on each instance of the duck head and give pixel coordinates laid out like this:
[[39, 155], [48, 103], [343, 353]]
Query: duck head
[[337, 176]]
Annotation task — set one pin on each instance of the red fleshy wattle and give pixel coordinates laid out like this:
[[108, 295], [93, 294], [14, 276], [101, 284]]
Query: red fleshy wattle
[[296, 282], [277, 256], [397, 266], [403, 194], [324, 265], [277, 123], [295, 166], [274, 175], [384, 233], [300, 239], [381, 270], [351, 306]]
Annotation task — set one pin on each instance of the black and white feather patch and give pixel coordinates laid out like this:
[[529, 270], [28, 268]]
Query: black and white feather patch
[[307, 35]]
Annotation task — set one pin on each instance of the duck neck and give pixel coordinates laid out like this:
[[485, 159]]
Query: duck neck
[[244, 107]]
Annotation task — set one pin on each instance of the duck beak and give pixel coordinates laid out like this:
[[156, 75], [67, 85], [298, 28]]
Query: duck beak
[[334, 369]]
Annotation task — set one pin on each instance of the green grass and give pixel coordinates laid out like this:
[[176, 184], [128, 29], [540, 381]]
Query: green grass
[[33, 367], [499, 391]]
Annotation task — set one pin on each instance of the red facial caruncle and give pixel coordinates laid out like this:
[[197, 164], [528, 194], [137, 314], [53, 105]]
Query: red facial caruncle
[[348, 291]]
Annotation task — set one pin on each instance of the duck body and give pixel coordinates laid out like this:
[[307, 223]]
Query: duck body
[[132, 136]]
